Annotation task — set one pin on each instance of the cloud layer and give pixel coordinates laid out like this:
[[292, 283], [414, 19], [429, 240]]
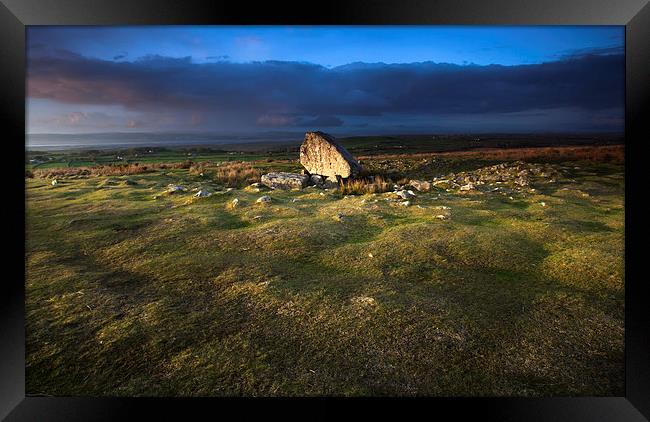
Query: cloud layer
[[284, 94]]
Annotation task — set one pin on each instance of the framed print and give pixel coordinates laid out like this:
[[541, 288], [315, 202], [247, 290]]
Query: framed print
[[377, 205]]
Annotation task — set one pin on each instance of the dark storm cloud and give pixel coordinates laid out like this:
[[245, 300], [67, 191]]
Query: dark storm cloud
[[272, 89], [322, 121]]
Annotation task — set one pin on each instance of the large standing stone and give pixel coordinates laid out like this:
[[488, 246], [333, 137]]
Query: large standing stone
[[283, 180], [321, 154]]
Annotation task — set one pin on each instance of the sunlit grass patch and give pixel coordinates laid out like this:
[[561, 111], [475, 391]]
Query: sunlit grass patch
[[589, 263]]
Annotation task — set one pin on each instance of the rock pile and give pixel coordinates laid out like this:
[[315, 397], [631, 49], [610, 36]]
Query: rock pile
[[512, 177]]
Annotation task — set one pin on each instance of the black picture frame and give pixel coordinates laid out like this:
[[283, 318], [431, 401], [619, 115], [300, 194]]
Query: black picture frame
[[15, 15]]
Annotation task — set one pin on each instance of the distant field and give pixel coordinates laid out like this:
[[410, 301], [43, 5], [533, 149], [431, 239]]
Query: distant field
[[409, 144], [46, 160], [503, 290], [360, 146]]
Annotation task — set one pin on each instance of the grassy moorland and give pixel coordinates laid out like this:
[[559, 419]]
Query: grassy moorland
[[505, 289]]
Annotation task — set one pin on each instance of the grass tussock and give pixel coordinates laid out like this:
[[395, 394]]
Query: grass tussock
[[367, 185], [236, 175], [200, 168]]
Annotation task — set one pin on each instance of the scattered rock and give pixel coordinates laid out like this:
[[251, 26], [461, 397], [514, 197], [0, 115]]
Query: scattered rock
[[263, 199], [284, 180], [420, 185], [522, 181], [442, 184], [363, 301], [322, 154], [469, 186], [55, 182], [405, 194], [405, 203], [175, 189], [234, 203], [255, 188], [441, 217], [542, 204], [202, 194]]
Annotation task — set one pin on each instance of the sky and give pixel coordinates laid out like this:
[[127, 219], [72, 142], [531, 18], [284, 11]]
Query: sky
[[342, 80]]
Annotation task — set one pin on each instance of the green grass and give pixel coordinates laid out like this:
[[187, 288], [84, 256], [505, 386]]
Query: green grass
[[130, 295], [56, 159]]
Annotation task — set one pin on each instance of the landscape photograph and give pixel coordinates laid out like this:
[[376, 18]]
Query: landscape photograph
[[325, 211]]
